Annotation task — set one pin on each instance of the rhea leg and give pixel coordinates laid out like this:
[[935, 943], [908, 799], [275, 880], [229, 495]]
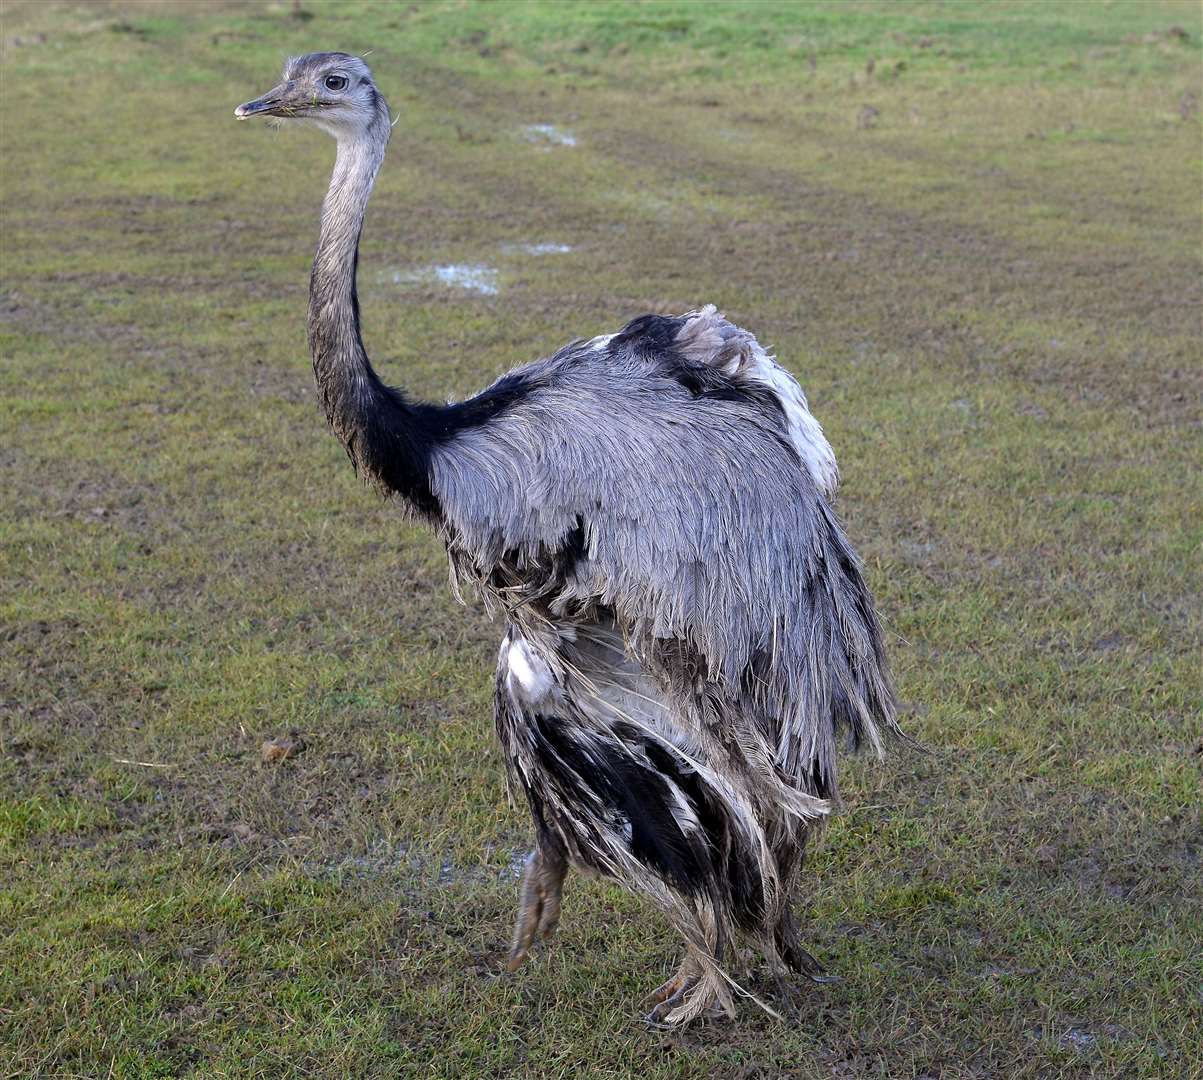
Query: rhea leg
[[539, 900], [787, 939]]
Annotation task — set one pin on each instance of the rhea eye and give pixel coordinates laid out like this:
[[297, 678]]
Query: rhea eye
[[336, 83]]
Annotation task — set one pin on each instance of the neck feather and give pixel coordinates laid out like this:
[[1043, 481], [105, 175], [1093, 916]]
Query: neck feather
[[385, 436]]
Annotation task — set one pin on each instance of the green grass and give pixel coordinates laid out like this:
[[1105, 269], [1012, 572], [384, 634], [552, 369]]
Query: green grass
[[980, 253]]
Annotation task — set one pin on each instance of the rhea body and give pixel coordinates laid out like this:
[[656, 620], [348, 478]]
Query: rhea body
[[688, 628]]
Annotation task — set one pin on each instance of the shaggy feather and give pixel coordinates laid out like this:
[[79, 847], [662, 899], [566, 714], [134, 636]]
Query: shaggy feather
[[701, 530]]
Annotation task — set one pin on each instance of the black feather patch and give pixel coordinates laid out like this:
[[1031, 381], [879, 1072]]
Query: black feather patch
[[635, 793], [732, 866], [649, 333], [485, 406]]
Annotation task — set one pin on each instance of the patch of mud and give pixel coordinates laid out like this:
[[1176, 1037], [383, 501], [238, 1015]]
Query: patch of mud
[[474, 277], [381, 861], [1085, 1039], [548, 135], [400, 860]]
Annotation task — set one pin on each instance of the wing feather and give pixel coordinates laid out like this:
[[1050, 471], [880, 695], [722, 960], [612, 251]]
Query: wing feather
[[659, 475]]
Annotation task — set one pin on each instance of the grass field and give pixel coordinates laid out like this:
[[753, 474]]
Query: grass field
[[974, 232]]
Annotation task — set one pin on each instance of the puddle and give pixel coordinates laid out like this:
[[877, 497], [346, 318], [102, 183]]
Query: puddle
[[536, 249], [548, 135], [476, 277]]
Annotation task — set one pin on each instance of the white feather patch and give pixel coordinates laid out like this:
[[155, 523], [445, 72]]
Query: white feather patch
[[531, 673], [804, 430]]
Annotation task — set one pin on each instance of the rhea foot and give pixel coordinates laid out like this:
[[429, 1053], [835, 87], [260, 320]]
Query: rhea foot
[[669, 995], [539, 901], [693, 992]]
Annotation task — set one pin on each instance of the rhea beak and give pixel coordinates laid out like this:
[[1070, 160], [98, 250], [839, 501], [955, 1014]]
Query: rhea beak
[[273, 103]]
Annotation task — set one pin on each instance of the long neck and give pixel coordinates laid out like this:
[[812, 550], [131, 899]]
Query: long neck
[[383, 434]]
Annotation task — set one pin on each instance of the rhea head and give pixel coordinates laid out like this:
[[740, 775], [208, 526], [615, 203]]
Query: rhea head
[[331, 90]]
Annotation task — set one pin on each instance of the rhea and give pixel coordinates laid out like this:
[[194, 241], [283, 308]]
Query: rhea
[[689, 632]]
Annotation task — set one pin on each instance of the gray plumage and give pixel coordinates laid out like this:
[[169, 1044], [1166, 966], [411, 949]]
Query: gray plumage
[[689, 629]]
